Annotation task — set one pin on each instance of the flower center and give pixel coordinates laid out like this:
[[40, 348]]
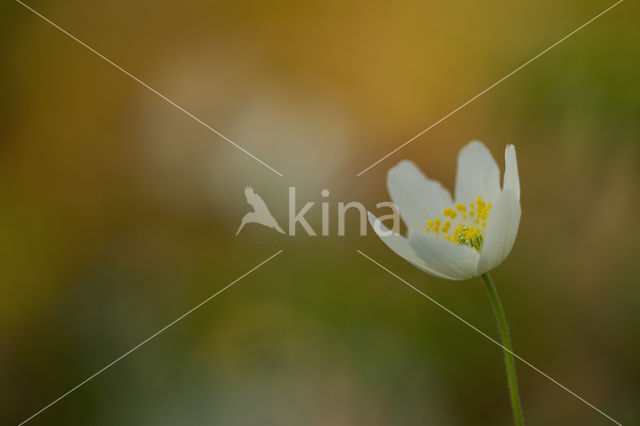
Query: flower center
[[462, 225]]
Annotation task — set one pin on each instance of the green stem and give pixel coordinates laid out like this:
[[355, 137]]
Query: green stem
[[508, 348]]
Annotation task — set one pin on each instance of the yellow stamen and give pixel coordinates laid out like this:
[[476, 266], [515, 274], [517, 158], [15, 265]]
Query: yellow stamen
[[462, 224], [449, 213]]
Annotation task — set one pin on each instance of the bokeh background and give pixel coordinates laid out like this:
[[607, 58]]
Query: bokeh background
[[118, 212]]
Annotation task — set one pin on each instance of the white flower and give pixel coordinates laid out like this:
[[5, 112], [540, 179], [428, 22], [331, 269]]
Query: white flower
[[457, 240]]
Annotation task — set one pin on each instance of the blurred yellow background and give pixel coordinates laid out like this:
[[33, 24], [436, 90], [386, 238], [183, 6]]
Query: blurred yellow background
[[118, 212]]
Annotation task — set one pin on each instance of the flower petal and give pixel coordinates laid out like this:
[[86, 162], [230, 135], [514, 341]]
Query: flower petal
[[400, 246], [477, 174], [501, 232], [457, 261], [417, 197], [511, 177]]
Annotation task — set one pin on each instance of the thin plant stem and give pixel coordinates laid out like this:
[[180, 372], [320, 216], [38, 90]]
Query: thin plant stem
[[509, 361]]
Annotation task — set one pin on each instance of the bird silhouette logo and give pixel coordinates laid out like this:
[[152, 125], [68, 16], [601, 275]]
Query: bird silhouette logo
[[260, 213]]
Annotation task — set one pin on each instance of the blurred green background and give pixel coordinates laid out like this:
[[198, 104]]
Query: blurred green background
[[118, 212]]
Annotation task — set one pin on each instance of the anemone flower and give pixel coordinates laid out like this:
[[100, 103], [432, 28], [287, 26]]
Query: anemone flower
[[465, 238]]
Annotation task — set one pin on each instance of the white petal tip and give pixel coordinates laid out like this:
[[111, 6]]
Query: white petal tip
[[511, 177], [474, 143], [402, 165], [372, 218], [378, 227]]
